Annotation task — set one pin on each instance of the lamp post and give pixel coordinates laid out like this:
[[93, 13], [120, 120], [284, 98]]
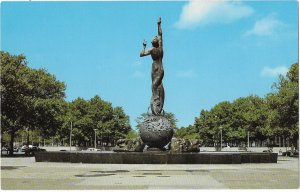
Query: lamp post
[[100, 138], [27, 130], [71, 136], [95, 138], [221, 138], [248, 139], [221, 131], [22, 140]]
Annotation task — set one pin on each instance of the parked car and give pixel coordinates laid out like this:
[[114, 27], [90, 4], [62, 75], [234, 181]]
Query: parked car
[[5, 148], [291, 153], [30, 150], [24, 147], [270, 150], [93, 149]]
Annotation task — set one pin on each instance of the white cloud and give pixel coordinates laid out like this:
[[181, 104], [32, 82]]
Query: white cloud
[[202, 12], [266, 26], [274, 72], [138, 74], [187, 74]]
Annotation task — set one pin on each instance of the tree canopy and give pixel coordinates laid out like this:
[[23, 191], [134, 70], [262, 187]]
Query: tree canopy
[[283, 105], [30, 98], [275, 115], [111, 123], [33, 99]]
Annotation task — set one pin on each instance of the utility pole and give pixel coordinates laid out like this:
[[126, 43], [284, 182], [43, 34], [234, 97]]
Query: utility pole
[[27, 130], [248, 139], [95, 138], [71, 136], [221, 138]]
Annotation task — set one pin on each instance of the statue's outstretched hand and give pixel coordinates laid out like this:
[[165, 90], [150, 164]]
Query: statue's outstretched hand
[[145, 43], [159, 21]]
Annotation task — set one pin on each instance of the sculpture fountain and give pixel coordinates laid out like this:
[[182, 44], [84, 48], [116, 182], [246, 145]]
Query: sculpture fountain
[[156, 132]]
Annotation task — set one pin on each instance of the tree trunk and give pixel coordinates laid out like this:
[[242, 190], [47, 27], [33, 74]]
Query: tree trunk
[[296, 141], [11, 143]]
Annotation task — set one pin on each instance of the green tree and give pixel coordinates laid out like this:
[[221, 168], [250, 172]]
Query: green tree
[[82, 129], [121, 125], [132, 134], [102, 115], [204, 126], [283, 104], [250, 115], [30, 98], [110, 123], [188, 132], [235, 119], [209, 123]]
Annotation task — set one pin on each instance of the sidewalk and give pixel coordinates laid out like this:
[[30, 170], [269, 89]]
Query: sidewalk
[[25, 173]]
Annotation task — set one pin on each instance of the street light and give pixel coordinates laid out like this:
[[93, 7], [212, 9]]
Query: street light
[[248, 139], [27, 130], [221, 131], [95, 138], [71, 136], [221, 138]]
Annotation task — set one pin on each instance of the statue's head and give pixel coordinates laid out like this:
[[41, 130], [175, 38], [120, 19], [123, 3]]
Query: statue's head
[[155, 42]]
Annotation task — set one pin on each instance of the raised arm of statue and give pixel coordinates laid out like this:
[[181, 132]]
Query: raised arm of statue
[[145, 52], [159, 32]]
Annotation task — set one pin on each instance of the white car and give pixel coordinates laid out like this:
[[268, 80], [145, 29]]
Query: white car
[[25, 147], [93, 149]]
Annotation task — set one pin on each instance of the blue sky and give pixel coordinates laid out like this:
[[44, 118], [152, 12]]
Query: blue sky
[[213, 50]]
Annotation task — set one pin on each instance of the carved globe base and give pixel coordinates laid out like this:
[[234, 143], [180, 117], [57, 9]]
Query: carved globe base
[[156, 131]]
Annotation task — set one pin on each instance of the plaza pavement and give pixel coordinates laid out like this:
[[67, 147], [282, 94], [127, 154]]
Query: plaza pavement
[[24, 173]]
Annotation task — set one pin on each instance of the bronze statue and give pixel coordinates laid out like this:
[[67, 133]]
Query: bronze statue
[[156, 131], [156, 52]]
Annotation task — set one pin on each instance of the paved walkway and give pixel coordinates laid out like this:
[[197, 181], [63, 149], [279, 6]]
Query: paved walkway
[[24, 173]]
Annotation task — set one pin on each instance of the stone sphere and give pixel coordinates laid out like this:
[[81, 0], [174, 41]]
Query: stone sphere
[[156, 131]]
